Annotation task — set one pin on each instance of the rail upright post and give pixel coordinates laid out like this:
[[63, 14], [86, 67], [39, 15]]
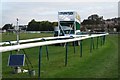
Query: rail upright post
[[101, 41], [81, 48], [97, 42], [39, 64], [46, 49], [74, 46], [47, 52], [91, 43], [66, 54]]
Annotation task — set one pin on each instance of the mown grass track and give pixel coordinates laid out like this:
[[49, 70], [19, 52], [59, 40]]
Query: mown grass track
[[101, 63]]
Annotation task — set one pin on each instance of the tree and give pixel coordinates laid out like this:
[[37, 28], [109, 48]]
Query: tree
[[7, 26], [93, 20], [33, 26], [40, 26], [93, 17], [55, 24]]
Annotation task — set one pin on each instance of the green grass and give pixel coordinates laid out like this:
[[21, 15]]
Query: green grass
[[10, 37], [101, 63]]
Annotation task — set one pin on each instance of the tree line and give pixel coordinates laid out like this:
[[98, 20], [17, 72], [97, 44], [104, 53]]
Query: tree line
[[49, 26], [41, 26], [93, 20], [34, 26]]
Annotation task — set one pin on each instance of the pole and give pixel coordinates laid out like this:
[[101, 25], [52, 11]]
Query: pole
[[47, 52], [74, 46], [81, 48], [46, 49], [17, 30], [97, 42], [104, 39], [91, 43], [101, 40], [66, 54], [39, 64]]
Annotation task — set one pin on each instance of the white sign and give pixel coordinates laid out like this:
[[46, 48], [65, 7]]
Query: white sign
[[66, 16]]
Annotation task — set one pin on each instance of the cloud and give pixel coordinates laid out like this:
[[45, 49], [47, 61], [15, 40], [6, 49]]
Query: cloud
[[60, 0], [27, 11], [119, 9]]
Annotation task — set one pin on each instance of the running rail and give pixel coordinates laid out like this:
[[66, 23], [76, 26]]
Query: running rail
[[36, 44], [38, 39]]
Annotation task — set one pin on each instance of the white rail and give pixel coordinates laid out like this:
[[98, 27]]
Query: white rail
[[35, 44], [38, 39]]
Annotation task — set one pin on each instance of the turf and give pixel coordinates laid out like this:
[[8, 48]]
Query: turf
[[100, 63]]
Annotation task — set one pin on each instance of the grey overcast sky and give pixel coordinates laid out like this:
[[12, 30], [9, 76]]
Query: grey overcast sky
[[26, 11]]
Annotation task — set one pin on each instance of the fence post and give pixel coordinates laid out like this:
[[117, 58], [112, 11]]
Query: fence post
[[39, 64], [74, 46], [97, 42], [81, 48], [66, 54], [47, 52], [101, 41], [91, 43], [46, 49]]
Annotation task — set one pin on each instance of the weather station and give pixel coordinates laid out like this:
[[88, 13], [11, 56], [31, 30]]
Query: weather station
[[18, 60]]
